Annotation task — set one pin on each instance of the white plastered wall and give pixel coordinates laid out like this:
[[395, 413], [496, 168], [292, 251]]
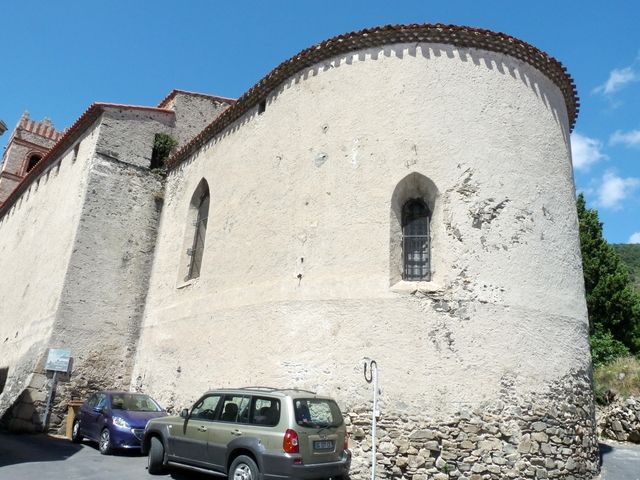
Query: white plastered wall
[[295, 285]]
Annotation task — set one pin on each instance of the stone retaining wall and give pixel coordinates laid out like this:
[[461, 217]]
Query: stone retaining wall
[[621, 420]]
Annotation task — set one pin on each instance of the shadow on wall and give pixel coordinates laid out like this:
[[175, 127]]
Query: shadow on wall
[[4, 373], [22, 416]]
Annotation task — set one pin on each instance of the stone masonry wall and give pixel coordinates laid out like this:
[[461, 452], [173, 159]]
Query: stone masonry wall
[[96, 296], [193, 113], [7, 185], [33, 269], [548, 436], [110, 266]]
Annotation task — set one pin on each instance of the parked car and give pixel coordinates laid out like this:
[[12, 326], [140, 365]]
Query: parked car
[[115, 419], [253, 433]]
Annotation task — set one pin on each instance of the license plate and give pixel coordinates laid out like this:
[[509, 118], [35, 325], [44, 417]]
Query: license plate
[[323, 445]]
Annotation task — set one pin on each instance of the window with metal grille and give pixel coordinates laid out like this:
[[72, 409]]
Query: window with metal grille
[[415, 240], [197, 250]]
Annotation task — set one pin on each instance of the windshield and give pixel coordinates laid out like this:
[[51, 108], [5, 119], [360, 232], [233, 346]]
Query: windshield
[[134, 402], [317, 413]]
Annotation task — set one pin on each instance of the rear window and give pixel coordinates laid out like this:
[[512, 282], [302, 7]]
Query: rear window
[[317, 413]]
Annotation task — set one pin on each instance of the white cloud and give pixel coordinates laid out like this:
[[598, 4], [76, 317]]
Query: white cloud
[[618, 78], [630, 139], [615, 189], [585, 151], [635, 238]]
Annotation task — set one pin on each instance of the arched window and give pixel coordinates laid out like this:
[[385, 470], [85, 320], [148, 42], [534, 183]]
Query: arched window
[[200, 201], [415, 240], [33, 160], [413, 206]]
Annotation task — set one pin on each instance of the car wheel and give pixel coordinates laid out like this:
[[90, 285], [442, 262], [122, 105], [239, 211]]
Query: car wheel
[[105, 442], [75, 432], [244, 468], [156, 456]]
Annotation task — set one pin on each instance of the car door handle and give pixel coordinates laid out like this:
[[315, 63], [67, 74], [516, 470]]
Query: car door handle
[[236, 432], [202, 428]]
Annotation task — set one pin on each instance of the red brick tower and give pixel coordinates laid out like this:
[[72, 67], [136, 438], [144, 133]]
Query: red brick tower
[[29, 142]]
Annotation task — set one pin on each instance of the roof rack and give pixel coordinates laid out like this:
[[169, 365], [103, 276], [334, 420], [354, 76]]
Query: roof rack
[[273, 389], [301, 390], [260, 387]]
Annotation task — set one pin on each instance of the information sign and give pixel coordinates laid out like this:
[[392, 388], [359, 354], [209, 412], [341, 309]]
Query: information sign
[[58, 360]]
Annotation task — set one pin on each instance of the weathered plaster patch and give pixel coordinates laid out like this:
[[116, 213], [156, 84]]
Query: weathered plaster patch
[[486, 211]]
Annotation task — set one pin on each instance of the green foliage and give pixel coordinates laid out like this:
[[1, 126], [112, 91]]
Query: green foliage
[[620, 378], [630, 254], [605, 348], [163, 144], [613, 304]]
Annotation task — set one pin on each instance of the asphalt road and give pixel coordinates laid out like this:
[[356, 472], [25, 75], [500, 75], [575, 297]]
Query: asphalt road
[[620, 461], [39, 457]]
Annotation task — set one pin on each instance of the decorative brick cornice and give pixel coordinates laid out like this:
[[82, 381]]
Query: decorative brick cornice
[[28, 144], [44, 128], [459, 36], [10, 176]]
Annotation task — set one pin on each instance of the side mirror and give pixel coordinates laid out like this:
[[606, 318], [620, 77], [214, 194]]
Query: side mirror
[[184, 413]]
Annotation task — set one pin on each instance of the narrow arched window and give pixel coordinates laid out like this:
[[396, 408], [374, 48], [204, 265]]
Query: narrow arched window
[[33, 160], [415, 240], [197, 250]]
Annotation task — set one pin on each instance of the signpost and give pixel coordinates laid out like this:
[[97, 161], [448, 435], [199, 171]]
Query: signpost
[[58, 360], [373, 377]]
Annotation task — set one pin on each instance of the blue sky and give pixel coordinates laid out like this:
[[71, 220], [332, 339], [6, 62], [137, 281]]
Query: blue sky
[[59, 57]]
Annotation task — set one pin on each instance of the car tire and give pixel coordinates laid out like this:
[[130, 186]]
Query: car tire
[[155, 463], [75, 432], [244, 468], [104, 444]]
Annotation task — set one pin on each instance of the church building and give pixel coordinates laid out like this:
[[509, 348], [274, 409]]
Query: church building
[[402, 193]]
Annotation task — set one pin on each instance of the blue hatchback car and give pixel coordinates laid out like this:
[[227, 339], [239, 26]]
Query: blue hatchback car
[[115, 419]]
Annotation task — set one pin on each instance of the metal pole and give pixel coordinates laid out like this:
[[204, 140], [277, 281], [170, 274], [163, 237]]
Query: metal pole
[[373, 366], [47, 411]]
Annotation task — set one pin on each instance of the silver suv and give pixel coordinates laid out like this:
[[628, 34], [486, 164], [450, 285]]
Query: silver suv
[[253, 433]]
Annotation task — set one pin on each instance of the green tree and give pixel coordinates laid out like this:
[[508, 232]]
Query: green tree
[[613, 304], [630, 255], [605, 349]]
